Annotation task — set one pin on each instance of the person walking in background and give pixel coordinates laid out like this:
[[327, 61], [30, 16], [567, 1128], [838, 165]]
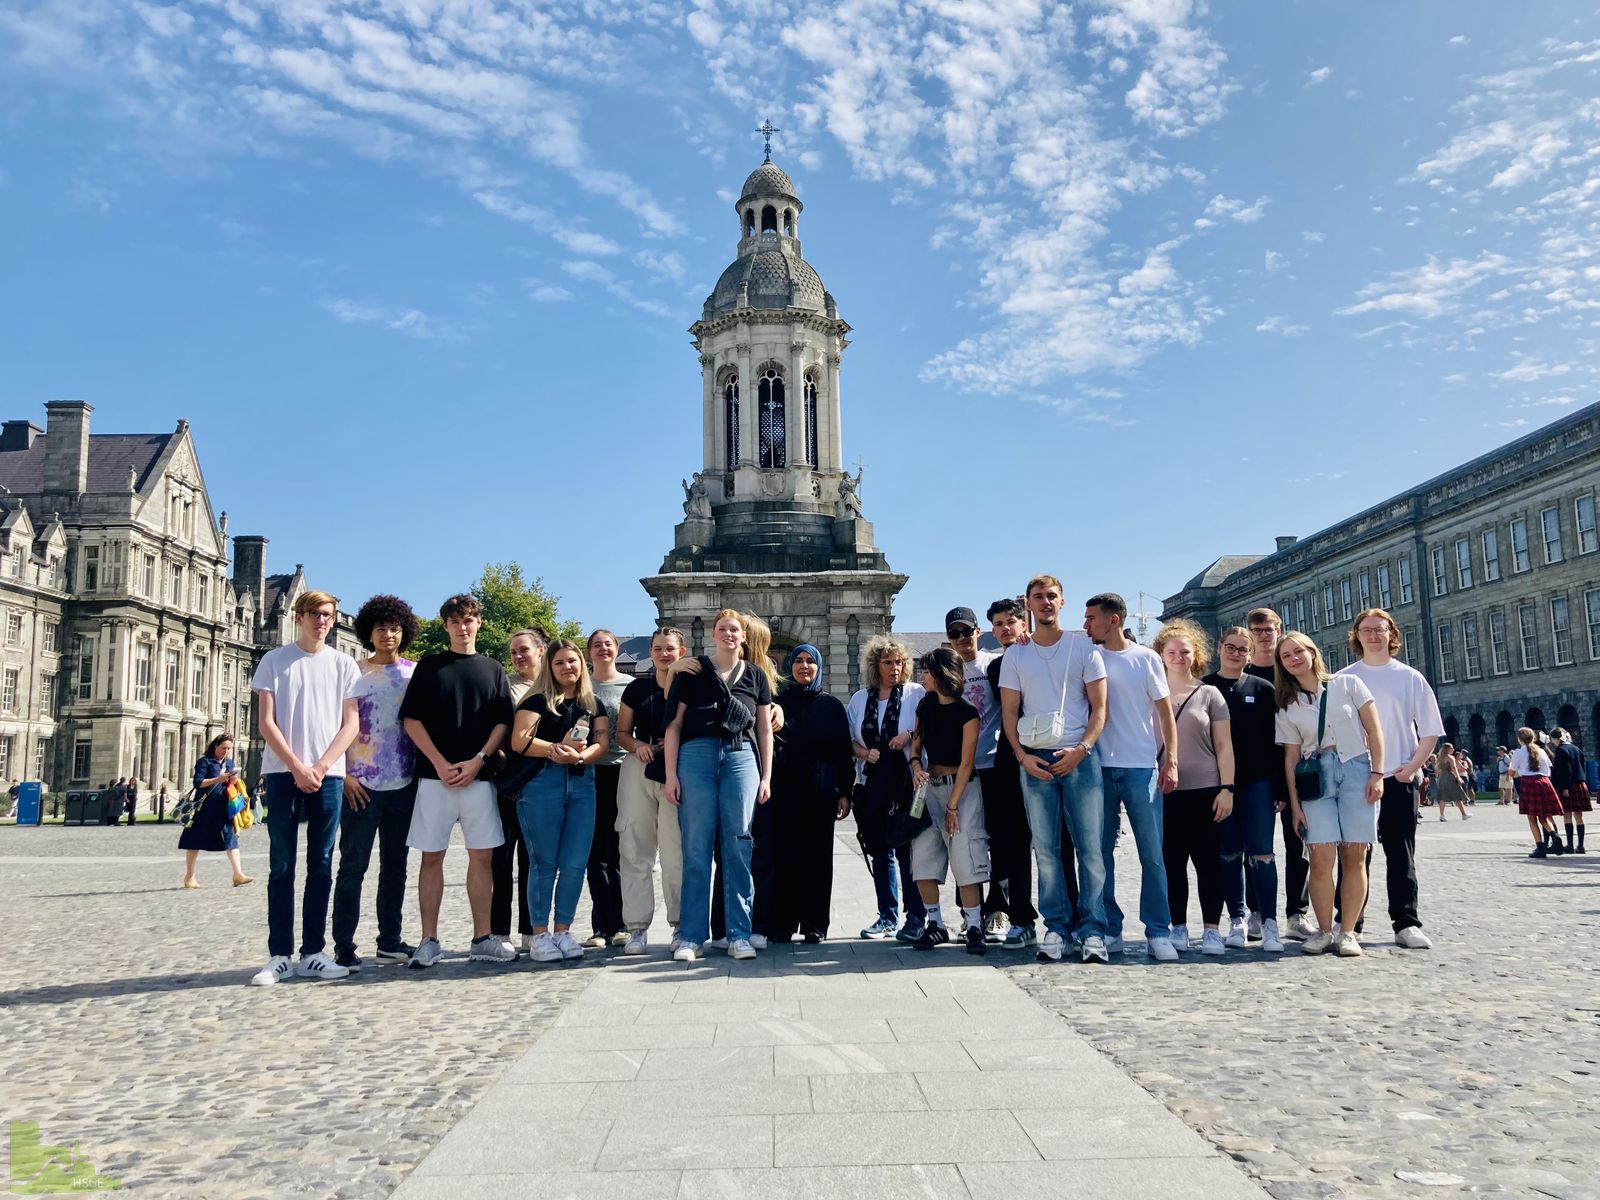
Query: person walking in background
[[380, 785], [605, 877], [1502, 765], [1536, 795], [130, 803], [111, 803], [526, 647], [211, 829], [1568, 775], [1450, 781]]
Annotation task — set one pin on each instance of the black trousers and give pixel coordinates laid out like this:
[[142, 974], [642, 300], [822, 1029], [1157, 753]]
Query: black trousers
[[1010, 888], [605, 855], [1189, 834], [500, 898], [793, 859], [1397, 834]]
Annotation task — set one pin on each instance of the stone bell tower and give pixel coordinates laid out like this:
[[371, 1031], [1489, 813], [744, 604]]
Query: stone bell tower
[[772, 522]]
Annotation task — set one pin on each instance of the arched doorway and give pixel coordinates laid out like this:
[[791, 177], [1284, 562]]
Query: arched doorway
[[1475, 731], [1535, 719], [1567, 718], [1505, 730], [1452, 732]]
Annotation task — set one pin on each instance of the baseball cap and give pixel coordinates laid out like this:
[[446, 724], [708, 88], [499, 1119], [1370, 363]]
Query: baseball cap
[[960, 616]]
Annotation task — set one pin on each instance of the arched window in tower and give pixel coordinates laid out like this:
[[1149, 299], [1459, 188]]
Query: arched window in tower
[[749, 222], [769, 219], [769, 413], [788, 222], [730, 407], [811, 418]]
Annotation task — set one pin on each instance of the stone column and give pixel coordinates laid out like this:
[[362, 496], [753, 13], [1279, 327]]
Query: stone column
[[712, 438], [794, 406], [748, 420], [96, 686], [838, 680], [834, 439]]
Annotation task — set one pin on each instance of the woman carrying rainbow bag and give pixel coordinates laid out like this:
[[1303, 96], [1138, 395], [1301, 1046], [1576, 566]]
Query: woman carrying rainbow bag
[[218, 811]]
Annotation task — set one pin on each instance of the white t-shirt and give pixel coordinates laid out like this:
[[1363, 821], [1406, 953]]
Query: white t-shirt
[[1407, 709], [1135, 680], [976, 691], [308, 695], [856, 712], [1521, 764], [1342, 732], [1043, 673]]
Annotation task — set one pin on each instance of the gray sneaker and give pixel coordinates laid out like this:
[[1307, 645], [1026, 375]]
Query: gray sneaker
[[568, 945], [428, 954], [490, 948], [638, 942], [1020, 937], [1094, 950]]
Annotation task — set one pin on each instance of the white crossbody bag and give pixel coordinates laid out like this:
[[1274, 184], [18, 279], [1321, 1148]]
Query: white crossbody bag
[[1048, 728]]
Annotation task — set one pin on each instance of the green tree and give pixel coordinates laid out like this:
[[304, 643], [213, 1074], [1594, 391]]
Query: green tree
[[510, 602]]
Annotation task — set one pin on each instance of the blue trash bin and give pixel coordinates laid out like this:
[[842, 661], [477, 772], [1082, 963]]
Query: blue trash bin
[[30, 803]]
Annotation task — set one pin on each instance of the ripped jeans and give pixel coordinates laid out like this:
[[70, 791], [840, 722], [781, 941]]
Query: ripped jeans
[[717, 781], [1248, 832]]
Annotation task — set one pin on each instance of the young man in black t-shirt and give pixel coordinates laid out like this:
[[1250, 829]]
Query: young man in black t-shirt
[[457, 710]]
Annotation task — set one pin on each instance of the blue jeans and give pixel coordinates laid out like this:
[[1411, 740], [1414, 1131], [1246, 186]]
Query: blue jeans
[[1076, 801], [717, 800], [1136, 789], [286, 805], [1248, 832], [885, 867], [556, 812], [386, 817]]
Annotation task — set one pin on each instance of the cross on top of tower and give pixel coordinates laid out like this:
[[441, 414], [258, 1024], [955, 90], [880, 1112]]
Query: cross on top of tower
[[766, 129]]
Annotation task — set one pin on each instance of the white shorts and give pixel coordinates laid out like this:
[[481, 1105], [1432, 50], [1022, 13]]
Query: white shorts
[[438, 808]]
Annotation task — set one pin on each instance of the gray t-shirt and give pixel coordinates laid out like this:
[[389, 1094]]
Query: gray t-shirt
[[1135, 680], [610, 694], [1198, 737], [308, 695], [1055, 678]]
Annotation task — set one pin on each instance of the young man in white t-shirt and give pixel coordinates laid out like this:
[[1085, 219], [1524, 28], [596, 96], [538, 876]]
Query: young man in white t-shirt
[[1409, 714], [1136, 704], [306, 708], [1059, 681]]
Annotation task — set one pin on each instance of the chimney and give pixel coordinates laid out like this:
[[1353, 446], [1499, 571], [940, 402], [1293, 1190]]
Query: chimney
[[66, 451], [18, 435], [1286, 540], [250, 567]]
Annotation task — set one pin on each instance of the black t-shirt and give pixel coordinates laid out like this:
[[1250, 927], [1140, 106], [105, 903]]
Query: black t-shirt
[[1252, 714], [1005, 759], [648, 703], [554, 727], [750, 689], [940, 726], [459, 698], [1258, 672]]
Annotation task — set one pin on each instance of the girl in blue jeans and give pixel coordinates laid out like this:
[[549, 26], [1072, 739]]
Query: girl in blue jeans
[[560, 721]]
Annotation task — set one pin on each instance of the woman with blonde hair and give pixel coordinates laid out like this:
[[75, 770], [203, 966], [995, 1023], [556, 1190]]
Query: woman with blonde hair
[[1536, 795], [1329, 730], [882, 717], [562, 722]]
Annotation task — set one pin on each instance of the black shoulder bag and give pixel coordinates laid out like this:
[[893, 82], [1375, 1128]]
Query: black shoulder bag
[[1308, 771]]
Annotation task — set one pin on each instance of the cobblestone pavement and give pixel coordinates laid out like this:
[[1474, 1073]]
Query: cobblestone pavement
[[1469, 1069], [125, 1026]]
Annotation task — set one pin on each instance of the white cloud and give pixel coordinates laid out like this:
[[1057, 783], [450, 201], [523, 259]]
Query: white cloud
[[1312, 237], [1529, 370], [1227, 208], [1430, 290], [1275, 261], [547, 293], [1460, 39], [412, 322], [1283, 327], [1320, 75]]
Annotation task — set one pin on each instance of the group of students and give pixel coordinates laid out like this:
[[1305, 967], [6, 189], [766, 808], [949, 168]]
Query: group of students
[[1551, 781], [980, 770]]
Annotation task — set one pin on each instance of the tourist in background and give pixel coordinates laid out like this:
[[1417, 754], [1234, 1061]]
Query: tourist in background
[[380, 785], [526, 648], [130, 799], [1450, 781], [211, 828], [1502, 765], [882, 716], [1536, 795], [1568, 775], [1334, 720], [1195, 810], [605, 880], [811, 777]]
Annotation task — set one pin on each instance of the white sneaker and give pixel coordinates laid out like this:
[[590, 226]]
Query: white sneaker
[[1094, 950], [278, 969], [527, 942], [1180, 937], [567, 944], [685, 953], [516, 952], [427, 954], [1236, 935], [489, 948], [1303, 926], [1114, 944], [1337, 930], [1254, 926], [1052, 948], [1161, 949], [1317, 943], [1211, 942], [717, 944], [1347, 946], [319, 966], [544, 949], [1412, 938], [758, 940], [638, 942], [1271, 943], [740, 948]]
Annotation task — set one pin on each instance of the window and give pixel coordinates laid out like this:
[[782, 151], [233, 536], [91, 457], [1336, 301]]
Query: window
[[1447, 653], [1408, 639], [1439, 587], [197, 682], [1300, 612], [8, 745], [149, 579], [1528, 628], [1384, 594], [1519, 546], [1550, 530], [143, 668], [16, 563], [141, 753], [177, 597], [730, 406], [203, 597], [1327, 603], [13, 629], [1560, 630], [1499, 659], [81, 750], [91, 568], [1491, 555], [41, 754], [86, 669], [227, 674], [770, 419], [47, 694], [52, 636], [1464, 562], [169, 754], [1344, 598], [1591, 618], [226, 712], [1583, 522], [1364, 588], [1469, 647], [171, 668], [1405, 579], [116, 565], [8, 699], [811, 419]]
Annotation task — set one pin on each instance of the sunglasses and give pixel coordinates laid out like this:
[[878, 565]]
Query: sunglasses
[[960, 631]]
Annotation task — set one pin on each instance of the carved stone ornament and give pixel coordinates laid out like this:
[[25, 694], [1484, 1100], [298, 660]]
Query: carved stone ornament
[[772, 484]]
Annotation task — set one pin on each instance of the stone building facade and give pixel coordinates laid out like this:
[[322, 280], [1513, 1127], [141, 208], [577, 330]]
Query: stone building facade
[[127, 645], [1492, 570], [773, 523]]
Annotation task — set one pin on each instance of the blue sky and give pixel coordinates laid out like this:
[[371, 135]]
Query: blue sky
[[1134, 282]]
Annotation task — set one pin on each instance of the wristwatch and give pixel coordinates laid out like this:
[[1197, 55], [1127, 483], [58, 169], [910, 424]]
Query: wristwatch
[[1225, 787], [483, 756]]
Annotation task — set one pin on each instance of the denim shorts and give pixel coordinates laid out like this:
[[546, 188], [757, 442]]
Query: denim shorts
[[1342, 813]]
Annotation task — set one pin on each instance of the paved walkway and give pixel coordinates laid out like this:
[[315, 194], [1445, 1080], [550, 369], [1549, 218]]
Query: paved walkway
[[848, 1069]]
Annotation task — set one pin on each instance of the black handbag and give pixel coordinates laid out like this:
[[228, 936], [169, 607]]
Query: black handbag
[[1308, 771], [517, 772]]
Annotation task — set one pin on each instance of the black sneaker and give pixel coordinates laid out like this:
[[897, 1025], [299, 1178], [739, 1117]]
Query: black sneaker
[[813, 938], [928, 938], [975, 942], [398, 953], [910, 931], [941, 933], [1539, 851], [347, 959]]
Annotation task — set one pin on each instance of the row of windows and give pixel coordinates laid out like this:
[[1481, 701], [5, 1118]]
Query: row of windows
[[1520, 645], [8, 756], [171, 767], [1461, 565], [16, 622], [49, 573], [143, 683], [771, 420], [106, 568], [1336, 603]]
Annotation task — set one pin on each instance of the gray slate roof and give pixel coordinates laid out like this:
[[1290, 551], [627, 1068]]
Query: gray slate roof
[[111, 456], [1221, 569], [766, 180], [777, 280]]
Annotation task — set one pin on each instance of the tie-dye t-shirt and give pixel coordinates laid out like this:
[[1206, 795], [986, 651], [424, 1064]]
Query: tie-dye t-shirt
[[382, 756]]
